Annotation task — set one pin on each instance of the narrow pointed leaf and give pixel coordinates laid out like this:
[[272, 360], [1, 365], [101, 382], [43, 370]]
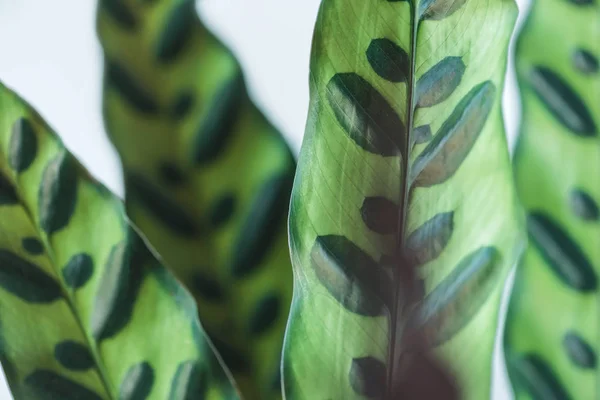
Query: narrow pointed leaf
[[551, 335], [401, 242], [207, 179], [83, 298]]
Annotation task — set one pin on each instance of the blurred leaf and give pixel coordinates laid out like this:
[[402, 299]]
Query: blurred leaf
[[404, 221], [86, 310]]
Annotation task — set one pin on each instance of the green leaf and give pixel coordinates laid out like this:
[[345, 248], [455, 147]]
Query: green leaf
[[551, 344], [83, 298], [404, 221], [207, 180]]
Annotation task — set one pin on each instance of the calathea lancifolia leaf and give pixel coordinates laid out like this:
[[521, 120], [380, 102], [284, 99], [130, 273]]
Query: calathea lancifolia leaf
[[404, 220], [551, 337], [86, 310], [207, 177]]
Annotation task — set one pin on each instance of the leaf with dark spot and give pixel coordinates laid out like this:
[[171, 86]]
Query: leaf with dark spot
[[585, 62], [584, 206], [562, 101], [380, 215], [8, 194], [78, 270], [118, 78], [33, 246], [266, 218], [389, 60], [48, 385], [537, 378], [459, 297], [368, 377], [182, 104], [207, 288], [23, 145], [119, 286], [350, 275], [365, 115], [428, 241], [561, 252], [160, 206], [58, 193], [189, 382], [222, 210], [439, 9], [579, 351], [451, 145], [26, 280], [171, 174], [437, 84], [265, 314], [217, 123], [120, 13], [137, 383], [177, 32], [421, 134], [74, 356]]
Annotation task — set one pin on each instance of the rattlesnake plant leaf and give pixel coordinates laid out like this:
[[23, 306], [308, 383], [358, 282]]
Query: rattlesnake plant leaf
[[551, 335], [404, 166], [208, 178], [86, 309]]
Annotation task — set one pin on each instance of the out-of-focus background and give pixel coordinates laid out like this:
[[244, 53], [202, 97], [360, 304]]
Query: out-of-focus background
[[49, 54]]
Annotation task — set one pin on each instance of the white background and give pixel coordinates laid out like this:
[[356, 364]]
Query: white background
[[49, 54]]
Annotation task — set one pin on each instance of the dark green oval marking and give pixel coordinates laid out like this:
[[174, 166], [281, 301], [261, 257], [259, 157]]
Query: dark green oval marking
[[562, 101], [437, 84], [365, 115], [438, 9], [8, 194], [26, 280], [428, 241], [74, 356], [380, 215], [137, 383], [33, 246], [235, 360], [118, 10], [538, 379], [177, 32], [459, 297], [265, 314], [582, 2], [222, 210], [585, 62], [171, 174], [388, 60], [131, 91], [579, 351], [584, 206], [265, 222], [561, 252], [160, 206], [78, 270], [207, 288], [217, 125], [452, 144], [23, 145], [57, 196], [189, 382], [350, 275], [368, 377], [182, 104], [48, 385], [119, 286], [421, 134]]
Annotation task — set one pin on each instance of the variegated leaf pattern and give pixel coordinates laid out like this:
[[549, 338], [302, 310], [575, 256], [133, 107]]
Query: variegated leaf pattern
[[208, 178], [87, 311], [551, 337], [404, 163]]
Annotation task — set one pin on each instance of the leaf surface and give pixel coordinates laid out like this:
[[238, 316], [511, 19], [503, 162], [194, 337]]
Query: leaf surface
[[404, 220], [86, 309]]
